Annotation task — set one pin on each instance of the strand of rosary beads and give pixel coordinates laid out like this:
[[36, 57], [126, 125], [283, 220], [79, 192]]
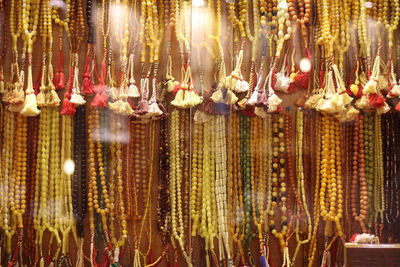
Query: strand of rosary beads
[[4, 17], [8, 223], [29, 230], [96, 160], [246, 181], [358, 176], [17, 182], [197, 178], [258, 182], [138, 131], [316, 206], [208, 215], [66, 222], [331, 188], [301, 186], [176, 175], [235, 190], [369, 147], [30, 17], [392, 214], [79, 186], [279, 189], [379, 196], [117, 210], [147, 187], [347, 133], [220, 188], [163, 204]]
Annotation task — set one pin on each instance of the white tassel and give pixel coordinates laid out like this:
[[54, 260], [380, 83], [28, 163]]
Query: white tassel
[[253, 98], [133, 90], [382, 110], [370, 87], [217, 96], [76, 98], [30, 106], [282, 82], [241, 86]]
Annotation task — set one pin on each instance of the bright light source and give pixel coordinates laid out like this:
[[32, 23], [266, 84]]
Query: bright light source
[[282, 5], [305, 65], [69, 166], [198, 2], [369, 4]]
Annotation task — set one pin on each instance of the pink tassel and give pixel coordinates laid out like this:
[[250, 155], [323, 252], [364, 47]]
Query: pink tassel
[[100, 100]]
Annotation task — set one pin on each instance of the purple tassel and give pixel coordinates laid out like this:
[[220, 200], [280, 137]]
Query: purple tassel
[[263, 262]]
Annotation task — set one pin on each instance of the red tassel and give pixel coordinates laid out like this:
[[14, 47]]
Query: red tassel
[[397, 107], [302, 80], [142, 108], [36, 86], [87, 83], [59, 77], [376, 100], [249, 112], [61, 82], [68, 108], [100, 100]]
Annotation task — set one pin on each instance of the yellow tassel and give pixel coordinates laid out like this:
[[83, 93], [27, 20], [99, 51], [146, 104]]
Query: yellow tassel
[[193, 99], [362, 103], [201, 117], [231, 98], [354, 89], [41, 99], [15, 108], [54, 100], [30, 105], [260, 112], [313, 101], [121, 106], [41, 262], [216, 97]]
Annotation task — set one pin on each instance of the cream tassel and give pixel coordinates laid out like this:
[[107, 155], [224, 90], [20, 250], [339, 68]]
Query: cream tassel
[[77, 98], [30, 106]]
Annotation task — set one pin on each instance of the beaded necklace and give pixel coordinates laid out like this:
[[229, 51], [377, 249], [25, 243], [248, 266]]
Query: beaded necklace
[[379, 196], [64, 186], [301, 186], [29, 230], [300, 11], [30, 17], [197, 174], [316, 206], [359, 177], [258, 183], [3, 43], [369, 147], [279, 190], [15, 32], [79, 180], [176, 175], [8, 222], [331, 182], [209, 216], [235, 189], [220, 186], [392, 213], [163, 203], [246, 176], [96, 160], [117, 211]]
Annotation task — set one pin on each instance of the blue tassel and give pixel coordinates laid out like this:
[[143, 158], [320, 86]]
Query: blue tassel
[[263, 262]]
